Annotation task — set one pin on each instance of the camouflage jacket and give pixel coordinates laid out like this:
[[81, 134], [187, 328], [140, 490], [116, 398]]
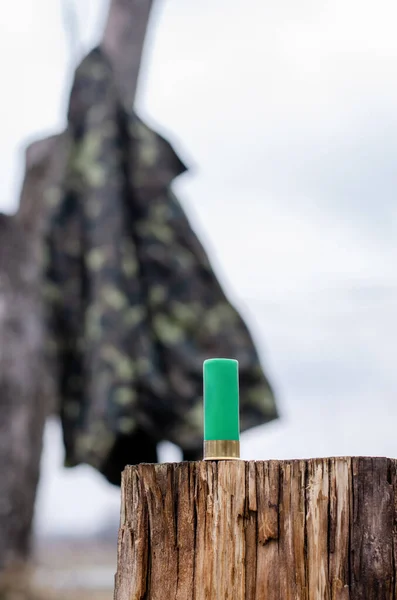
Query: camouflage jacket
[[134, 305]]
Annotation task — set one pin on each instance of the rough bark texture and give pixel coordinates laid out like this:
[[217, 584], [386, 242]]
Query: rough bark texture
[[310, 530]]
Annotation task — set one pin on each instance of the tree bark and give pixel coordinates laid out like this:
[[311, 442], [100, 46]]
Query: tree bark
[[309, 530], [22, 391], [123, 42], [45, 163], [26, 389]]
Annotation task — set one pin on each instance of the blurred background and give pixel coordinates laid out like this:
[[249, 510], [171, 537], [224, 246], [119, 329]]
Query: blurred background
[[286, 114]]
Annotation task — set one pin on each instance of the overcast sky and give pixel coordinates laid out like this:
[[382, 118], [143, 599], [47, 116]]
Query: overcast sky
[[287, 113]]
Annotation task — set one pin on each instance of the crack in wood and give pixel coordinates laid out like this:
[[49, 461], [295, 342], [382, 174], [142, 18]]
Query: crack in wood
[[321, 529]]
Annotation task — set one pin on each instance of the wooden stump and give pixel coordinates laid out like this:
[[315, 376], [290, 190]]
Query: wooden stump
[[279, 530]]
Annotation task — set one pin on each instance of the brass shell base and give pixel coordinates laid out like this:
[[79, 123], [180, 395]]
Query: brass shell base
[[221, 450]]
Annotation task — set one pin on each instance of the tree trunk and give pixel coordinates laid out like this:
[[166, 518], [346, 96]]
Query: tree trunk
[[26, 387], [22, 395], [25, 382], [289, 530], [123, 42]]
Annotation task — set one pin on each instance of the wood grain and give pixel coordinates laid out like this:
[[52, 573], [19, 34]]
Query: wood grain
[[321, 529]]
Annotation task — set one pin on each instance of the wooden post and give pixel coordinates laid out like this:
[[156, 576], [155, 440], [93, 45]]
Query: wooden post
[[309, 530]]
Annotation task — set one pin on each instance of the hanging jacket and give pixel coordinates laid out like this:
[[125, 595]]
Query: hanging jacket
[[134, 306]]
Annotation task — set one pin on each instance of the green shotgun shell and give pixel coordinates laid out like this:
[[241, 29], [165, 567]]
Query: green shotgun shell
[[221, 409]]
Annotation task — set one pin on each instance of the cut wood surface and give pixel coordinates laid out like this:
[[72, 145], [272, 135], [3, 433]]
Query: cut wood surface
[[321, 529]]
